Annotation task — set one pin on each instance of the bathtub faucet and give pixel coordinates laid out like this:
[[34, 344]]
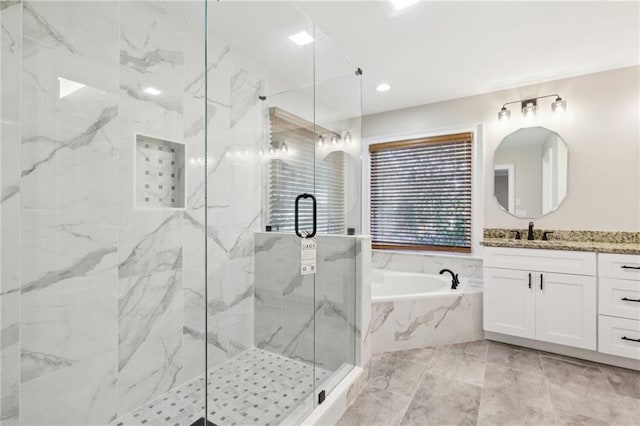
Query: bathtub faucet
[[454, 278]]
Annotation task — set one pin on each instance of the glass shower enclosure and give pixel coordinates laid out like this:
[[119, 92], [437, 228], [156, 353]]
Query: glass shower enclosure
[[151, 154]]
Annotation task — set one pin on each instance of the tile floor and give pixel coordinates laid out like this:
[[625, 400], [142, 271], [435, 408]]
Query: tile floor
[[256, 387], [489, 383]]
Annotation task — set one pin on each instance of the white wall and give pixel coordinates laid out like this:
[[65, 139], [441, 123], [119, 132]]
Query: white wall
[[600, 128]]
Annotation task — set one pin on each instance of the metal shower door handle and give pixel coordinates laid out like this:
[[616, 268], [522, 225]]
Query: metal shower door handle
[[315, 215]]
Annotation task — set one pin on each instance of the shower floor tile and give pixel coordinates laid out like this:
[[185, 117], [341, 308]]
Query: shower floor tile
[[256, 387]]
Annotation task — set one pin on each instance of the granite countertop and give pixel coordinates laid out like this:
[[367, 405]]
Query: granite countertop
[[592, 246]]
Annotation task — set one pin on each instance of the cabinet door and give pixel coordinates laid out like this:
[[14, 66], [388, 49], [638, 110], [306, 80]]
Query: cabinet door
[[509, 303], [566, 309]]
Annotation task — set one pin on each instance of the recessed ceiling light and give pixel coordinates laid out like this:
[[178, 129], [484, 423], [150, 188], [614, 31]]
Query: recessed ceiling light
[[301, 38], [403, 4], [152, 91], [383, 87]]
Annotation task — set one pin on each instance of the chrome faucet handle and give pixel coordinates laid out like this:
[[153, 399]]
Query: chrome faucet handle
[[518, 235], [545, 235]]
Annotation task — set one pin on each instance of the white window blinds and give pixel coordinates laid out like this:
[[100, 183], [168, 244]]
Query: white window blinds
[[301, 169], [421, 193]]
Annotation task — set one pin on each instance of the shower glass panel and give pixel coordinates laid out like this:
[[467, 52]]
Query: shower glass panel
[[102, 251], [261, 309], [151, 154], [338, 186]]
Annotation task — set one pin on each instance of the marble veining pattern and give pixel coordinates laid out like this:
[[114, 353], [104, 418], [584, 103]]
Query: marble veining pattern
[[102, 304], [509, 385], [427, 264], [288, 310], [10, 207], [426, 321]]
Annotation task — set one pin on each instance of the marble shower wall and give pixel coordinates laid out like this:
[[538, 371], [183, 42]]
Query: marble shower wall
[[285, 302], [10, 135], [103, 305]]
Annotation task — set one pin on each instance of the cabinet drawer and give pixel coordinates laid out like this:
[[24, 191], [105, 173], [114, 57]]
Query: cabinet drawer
[[619, 298], [624, 266], [560, 261], [617, 336]]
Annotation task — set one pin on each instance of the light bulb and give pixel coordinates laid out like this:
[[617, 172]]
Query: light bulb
[[559, 105], [347, 138], [320, 140], [504, 114], [529, 110], [334, 140]]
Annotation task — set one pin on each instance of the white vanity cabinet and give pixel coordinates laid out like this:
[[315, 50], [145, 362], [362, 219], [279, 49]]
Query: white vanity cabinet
[[509, 303], [546, 295], [619, 305], [566, 310]]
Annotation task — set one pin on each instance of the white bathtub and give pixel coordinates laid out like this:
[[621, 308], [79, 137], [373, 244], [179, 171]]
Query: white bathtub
[[413, 310], [394, 285]]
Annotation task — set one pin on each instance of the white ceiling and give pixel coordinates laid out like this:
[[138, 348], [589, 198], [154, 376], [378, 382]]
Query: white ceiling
[[439, 50]]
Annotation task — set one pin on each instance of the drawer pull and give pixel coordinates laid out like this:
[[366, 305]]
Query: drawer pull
[[630, 267], [631, 300], [529, 279], [629, 338]]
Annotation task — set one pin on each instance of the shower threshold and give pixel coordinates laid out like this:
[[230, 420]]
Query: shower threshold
[[256, 387]]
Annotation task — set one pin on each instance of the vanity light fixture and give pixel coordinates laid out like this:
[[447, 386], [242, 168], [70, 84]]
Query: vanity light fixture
[[347, 138], [559, 105], [334, 140], [320, 140], [504, 113], [530, 106], [284, 148]]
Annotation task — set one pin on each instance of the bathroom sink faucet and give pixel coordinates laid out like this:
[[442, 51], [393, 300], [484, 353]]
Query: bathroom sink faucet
[[454, 278], [530, 233]]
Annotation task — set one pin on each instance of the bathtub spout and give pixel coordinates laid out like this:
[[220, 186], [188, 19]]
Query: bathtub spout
[[454, 278]]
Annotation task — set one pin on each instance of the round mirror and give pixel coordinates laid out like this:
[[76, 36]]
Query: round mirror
[[530, 172]]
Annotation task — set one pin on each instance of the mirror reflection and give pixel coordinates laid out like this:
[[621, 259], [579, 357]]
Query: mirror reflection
[[530, 172]]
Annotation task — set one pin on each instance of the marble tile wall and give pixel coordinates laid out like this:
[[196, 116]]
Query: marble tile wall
[[286, 304], [10, 135], [429, 264], [434, 320], [427, 321], [103, 305]]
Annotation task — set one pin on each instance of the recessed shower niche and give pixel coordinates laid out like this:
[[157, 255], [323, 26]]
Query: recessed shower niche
[[160, 173]]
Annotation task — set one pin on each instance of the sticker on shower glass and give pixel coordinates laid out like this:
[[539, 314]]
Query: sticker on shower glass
[[307, 256]]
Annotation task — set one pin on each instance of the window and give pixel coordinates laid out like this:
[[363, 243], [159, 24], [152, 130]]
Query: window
[[421, 194], [298, 168]]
